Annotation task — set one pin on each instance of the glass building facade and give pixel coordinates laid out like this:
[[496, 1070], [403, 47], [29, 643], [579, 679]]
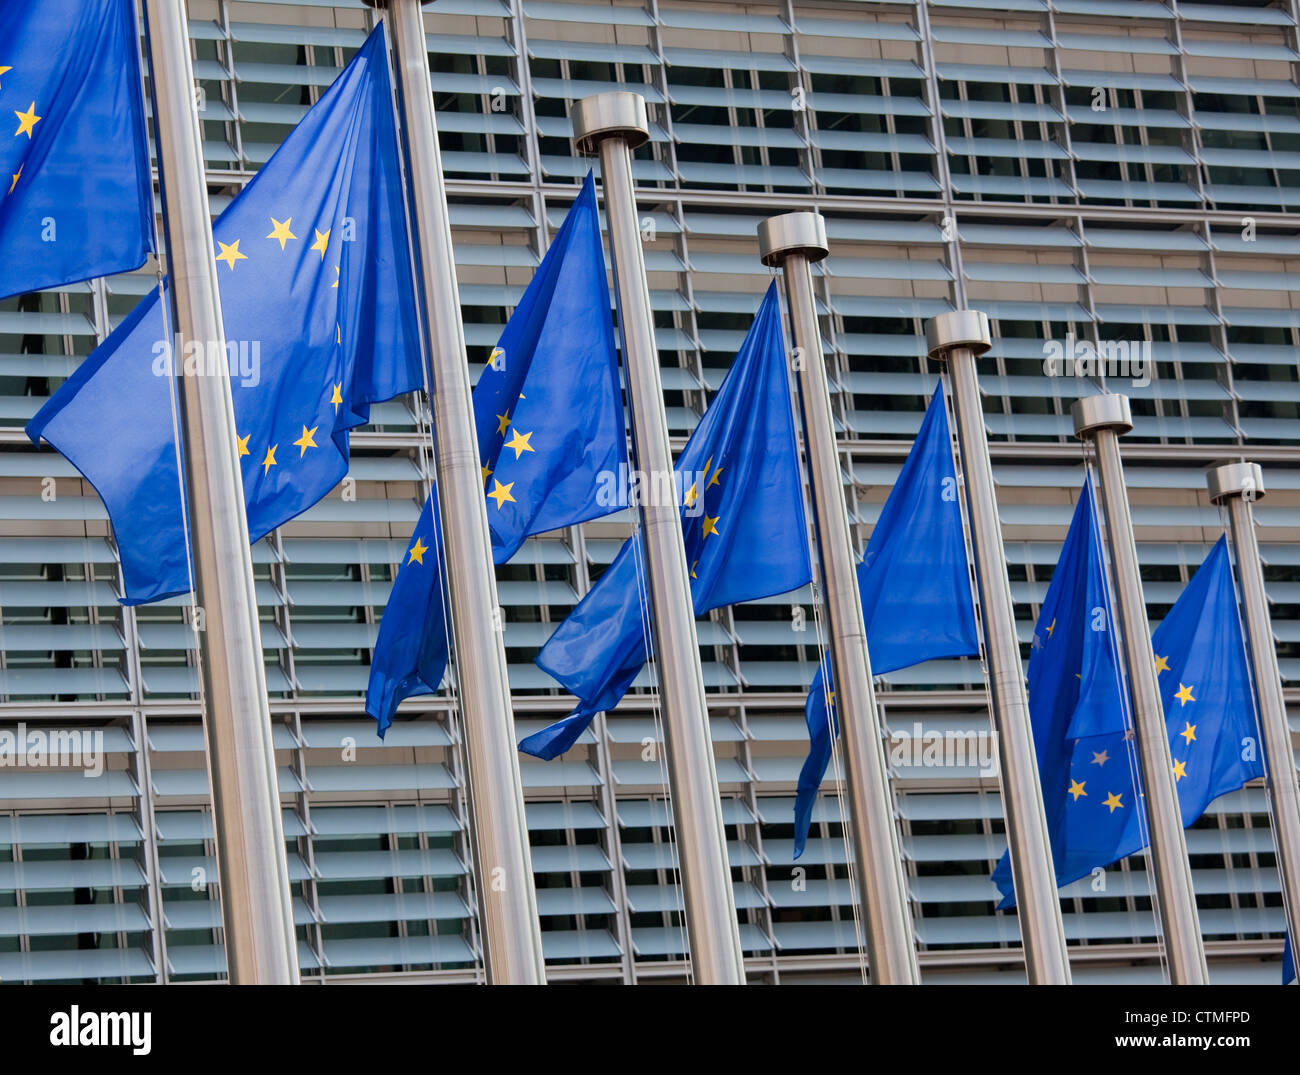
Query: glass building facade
[[1093, 170]]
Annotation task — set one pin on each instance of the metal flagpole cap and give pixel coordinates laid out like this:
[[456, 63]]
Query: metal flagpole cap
[[792, 233], [958, 328], [1235, 479], [1109, 411], [618, 114]]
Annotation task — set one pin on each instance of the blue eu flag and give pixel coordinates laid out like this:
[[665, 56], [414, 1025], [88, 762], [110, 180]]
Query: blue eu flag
[[318, 306], [737, 482], [76, 198], [915, 589], [410, 655], [547, 408], [1087, 767], [1288, 963], [549, 417]]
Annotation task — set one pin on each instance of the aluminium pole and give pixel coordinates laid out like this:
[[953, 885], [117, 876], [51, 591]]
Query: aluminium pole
[[1102, 419], [793, 241], [1239, 485], [256, 908], [503, 873], [612, 125], [957, 338]]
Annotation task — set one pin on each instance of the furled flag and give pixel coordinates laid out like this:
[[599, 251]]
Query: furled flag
[[1288, 963], [741, 500], [1088, 779], [76, 197], [915, 589], [549, 416], [410, 655], [318, 304]]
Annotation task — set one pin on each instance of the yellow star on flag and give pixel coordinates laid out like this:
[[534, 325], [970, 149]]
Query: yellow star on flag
[[1162, 664], [280, 230], [1189, 732], [306, 440], [230, 254], [1113, 801], [1180, 770], [1184, 694], [1076, 789], [269, 461], [3, 69], [336, 277], [322, 241], [486, 470], [501, 493], [503, 423], [337, 397], [711, 525], [689, 498], [243, 444], [417, 552], [1051, 627], [1100, 759], [15, 179], [519, 442], [693, 574], [714, 480], [27, 120]]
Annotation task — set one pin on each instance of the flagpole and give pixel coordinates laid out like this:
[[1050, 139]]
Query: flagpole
[[612, 125], [256, 907], [792, 242], [1102, 419], [503, 871], [1239, 485], [958, 338]]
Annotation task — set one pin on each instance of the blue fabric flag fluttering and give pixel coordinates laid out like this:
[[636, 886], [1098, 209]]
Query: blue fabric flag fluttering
[[549, 416], [554, 372], [76, 197], [410, 655], [915, 588], [1088, 768], [741, 498], [1075, 685], [318, 305]]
